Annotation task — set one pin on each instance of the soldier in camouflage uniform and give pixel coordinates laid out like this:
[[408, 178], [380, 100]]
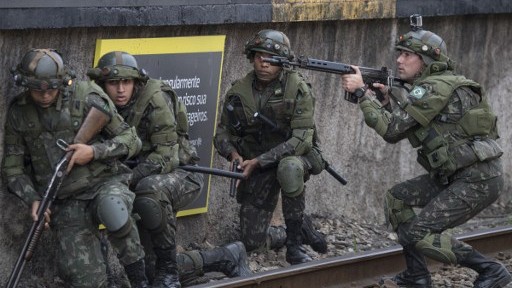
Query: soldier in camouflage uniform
[[96, 189], [449, 118], [161, 187], [275, 160]]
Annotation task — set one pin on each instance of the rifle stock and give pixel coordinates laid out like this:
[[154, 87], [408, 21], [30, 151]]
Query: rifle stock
[[370, 75], [95, 120]]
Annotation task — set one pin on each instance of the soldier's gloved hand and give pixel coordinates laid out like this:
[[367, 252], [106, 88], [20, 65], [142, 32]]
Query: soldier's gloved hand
[[137, 175]]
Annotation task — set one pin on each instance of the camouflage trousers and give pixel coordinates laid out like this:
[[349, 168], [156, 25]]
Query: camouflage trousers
[[469, 191], [75, 222], [173, 191], [258, 197]]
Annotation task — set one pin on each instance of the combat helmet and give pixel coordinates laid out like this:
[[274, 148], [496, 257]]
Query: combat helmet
[[117, 65], [42, 69], [428, 45], [269, 41]]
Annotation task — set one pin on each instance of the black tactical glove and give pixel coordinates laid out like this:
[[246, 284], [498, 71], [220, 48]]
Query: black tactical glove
[[141, 171], [137, 175]]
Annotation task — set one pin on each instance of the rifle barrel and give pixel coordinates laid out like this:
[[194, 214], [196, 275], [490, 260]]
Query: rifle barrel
[[335, 174], [213, 171]]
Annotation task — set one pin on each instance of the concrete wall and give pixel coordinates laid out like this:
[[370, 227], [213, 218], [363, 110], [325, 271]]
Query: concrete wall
[[480, 44]]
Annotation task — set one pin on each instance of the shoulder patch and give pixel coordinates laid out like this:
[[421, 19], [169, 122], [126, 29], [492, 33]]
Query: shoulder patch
[[418, 92]]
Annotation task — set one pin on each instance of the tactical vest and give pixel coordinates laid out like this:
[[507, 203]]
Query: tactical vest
[[256, 137], [447, 146], [41, 140], [187, 152]]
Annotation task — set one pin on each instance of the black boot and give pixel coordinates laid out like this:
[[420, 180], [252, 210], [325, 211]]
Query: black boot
[[166, 269], [230, 259], [276, 237], [416, 275], [311, 237], [295, 253], [491, 273], [136, 273]]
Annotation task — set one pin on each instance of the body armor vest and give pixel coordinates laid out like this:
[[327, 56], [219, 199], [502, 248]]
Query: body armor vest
[[41, 128], [449, 144], [146, 98], [255, 136]]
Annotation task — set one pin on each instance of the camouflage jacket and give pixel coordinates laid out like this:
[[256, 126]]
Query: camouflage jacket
[[151, 112], [31, 152], [448, 117]]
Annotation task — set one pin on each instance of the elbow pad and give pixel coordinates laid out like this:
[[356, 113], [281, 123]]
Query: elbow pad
[[301, 140], [375, 116]]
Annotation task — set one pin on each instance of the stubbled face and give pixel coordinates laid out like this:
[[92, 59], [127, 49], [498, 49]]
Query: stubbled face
[[44, 98], [120, 90], [409, 65], [264, 71]]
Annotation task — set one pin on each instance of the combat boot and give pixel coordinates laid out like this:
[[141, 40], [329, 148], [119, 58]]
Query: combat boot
[[311, 237], [491, 273], [136, 273], [230, 259], [295, 253], [166, 269], [404, 279], [416, 275]]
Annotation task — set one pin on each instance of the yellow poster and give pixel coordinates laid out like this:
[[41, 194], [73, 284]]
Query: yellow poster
[[192, 66]]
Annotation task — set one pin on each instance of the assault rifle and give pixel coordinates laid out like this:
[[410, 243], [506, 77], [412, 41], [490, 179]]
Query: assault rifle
[[131, 163], [95, 120], [276, 128], [370, 75]]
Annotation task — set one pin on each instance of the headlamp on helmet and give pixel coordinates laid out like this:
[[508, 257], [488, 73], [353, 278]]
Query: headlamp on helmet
[[42, 69]]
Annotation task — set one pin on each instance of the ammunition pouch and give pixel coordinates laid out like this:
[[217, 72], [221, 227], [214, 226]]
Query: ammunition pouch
[[478, 122]]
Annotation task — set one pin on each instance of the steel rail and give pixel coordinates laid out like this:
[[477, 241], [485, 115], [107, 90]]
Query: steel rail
[[359, 269]]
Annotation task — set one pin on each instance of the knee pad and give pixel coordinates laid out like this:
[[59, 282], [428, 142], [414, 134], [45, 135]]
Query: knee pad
[[290, 174], [396, 211], [114, 215], [149, 210], [437, 247]]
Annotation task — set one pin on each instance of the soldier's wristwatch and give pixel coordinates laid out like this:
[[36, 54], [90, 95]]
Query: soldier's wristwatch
[[359, 92]]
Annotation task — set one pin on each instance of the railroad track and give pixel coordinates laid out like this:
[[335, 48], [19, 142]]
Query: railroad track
[[359, 270]]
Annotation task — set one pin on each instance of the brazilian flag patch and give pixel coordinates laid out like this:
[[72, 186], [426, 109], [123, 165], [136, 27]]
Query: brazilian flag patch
[[418, 92]]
